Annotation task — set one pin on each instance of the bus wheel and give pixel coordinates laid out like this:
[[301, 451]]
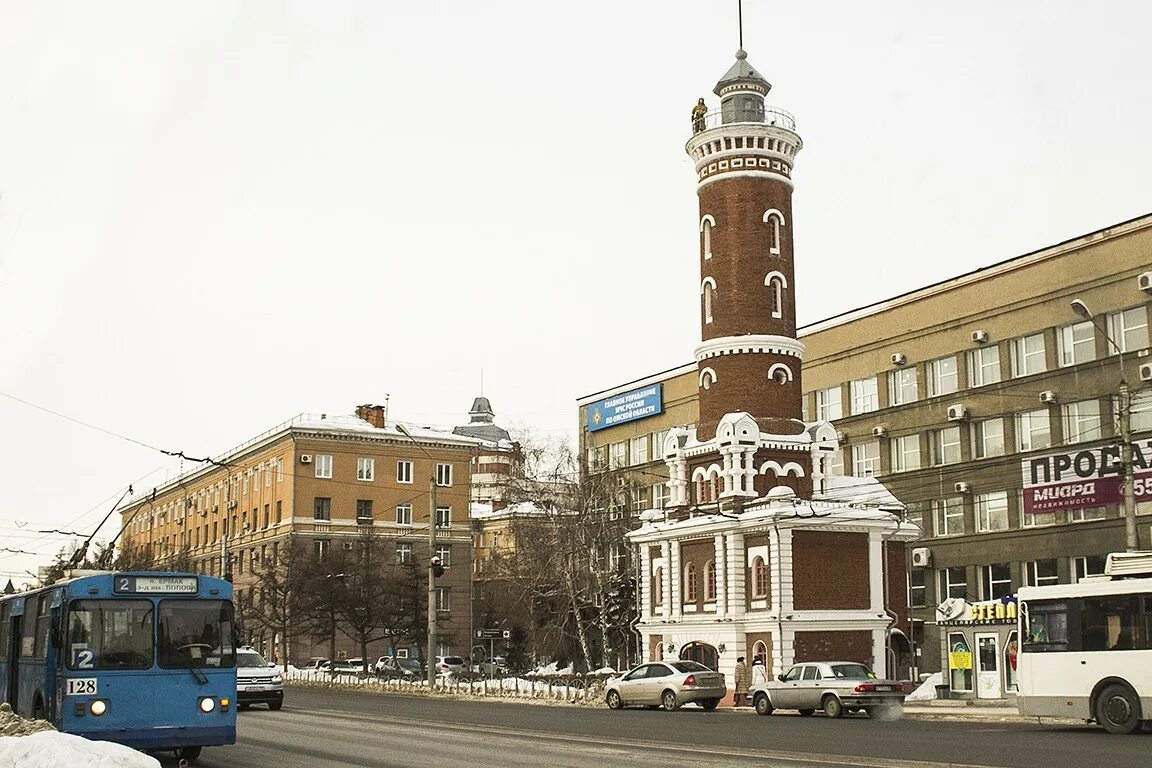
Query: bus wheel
[[189, 753], [1118, 709]]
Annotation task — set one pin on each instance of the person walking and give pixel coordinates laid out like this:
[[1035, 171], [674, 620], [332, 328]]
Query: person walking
[[759, 671], [741, 678]]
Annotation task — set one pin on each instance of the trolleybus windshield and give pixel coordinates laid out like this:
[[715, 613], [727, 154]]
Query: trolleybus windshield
[[195, 634]]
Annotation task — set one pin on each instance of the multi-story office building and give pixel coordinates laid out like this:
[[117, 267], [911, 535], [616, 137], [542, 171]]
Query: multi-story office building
[[988, 406], [327, 481]]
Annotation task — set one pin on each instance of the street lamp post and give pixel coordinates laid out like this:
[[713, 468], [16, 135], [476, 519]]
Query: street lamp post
[[1131, 540], [431, 653]]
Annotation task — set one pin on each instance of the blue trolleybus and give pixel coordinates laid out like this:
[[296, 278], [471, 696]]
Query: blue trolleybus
[[147, 660]]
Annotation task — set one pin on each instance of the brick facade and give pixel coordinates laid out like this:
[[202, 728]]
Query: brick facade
[[833, 646], [827, 568]]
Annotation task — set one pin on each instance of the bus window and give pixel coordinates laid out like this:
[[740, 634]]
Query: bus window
[[195, 634], [28, 627], [1047, 628], [5, 619], [43, 622], [109, 634], [1110, 623]]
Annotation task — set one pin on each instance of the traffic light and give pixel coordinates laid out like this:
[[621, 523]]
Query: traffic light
[[437, 568]]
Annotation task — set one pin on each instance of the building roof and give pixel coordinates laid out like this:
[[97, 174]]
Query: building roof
[[482, 424], [742, 71]]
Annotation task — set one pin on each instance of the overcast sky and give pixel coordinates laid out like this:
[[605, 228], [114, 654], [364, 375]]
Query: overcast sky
[[215, 216]]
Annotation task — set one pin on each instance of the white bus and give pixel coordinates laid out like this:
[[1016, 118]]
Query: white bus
[[1086, 648]]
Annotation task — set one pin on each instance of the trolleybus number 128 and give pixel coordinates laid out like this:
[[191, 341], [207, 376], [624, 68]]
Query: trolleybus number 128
[[81, 686]]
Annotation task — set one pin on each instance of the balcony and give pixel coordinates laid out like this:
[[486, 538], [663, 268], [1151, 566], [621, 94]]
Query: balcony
[[766, 115]]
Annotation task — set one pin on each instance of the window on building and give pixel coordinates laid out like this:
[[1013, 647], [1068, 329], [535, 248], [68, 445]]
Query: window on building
[[657, 451], [321, 508], [1081, 421], [996, 581], [658, 587], [776, 286], [710, 581], [708, 290], [320, 548], [902, 387], [1027, 353], [942, 377], [365, 469], [864, 395], [444, 552], [944, 446], [689, 582], [960, 678], [639, 499], [323, 464], [268, 477], [828, 406], [1129, 329], [954, 582], [1033, 431], [983, 366], [917, 588], [403, 471], [444, 475], [866, 459], [759, 577], [660, 495], [991, 511], [443, 599], [619, 453], [914, 512], [1033, 518], [1038, 573], [598, 458], [1086, 514], [1090, 565], [774, 221], [905, 453], [1140, 406], [987, 438], [364, 511], [403, 514], [706, 236], [443, 517], [948, 515], [1076, 343]]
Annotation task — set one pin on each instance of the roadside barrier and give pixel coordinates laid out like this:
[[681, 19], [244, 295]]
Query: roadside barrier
[[587, 690]]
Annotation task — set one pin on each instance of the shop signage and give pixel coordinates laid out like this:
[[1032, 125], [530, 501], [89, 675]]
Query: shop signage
[[628, 406], [1086, 478], [957, 611]]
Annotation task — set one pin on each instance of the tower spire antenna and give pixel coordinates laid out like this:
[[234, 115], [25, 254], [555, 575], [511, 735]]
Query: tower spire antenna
[[740, 21]]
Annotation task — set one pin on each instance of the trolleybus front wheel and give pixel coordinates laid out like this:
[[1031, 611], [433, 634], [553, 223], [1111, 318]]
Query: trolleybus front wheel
[[1118, 709]]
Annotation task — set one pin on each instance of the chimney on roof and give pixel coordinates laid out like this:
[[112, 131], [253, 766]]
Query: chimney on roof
[[376, 415]]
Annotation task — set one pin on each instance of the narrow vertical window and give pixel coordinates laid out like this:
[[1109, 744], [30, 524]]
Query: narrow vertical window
[[708, 290], [710, 581], [776, 283], [690, 583], [706, 225], [775, 220]]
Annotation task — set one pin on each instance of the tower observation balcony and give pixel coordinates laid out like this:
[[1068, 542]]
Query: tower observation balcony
[[772, 116]]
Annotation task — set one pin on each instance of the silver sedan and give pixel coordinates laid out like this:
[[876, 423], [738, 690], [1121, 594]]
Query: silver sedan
[[666, 684], [833, 686]]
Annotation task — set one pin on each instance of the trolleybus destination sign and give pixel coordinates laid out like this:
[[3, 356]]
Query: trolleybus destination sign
[[1090, 477], [154, 585]]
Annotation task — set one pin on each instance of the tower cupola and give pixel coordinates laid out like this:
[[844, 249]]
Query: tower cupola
[[742, 91]]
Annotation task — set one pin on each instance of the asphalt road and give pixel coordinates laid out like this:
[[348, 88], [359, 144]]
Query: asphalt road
[[327, 729]]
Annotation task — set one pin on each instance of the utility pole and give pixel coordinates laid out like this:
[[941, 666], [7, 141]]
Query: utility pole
[[1124, 403], [433, 561]]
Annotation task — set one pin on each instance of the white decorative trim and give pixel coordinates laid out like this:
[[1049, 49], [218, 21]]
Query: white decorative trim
[[780, 367], [775, 220], [707, 281], [708, 291], [754, 174], [791, 468], [707, 232], [751, 344], [775, 274], [706, 218], [707, 378]]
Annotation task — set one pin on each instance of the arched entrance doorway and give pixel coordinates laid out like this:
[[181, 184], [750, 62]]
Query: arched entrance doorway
[[701, 653], [899, 656]]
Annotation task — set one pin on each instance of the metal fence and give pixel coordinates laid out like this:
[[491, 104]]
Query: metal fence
[[576, 689]]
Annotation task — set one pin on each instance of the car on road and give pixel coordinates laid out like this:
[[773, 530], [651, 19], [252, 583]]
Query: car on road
[[835, 687], [667, 684], [445, 664], [257, 681], [393, 668], [340, 667]]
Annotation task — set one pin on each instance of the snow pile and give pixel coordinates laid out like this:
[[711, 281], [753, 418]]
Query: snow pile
[[11, 724], [927, 689], [49, 749]]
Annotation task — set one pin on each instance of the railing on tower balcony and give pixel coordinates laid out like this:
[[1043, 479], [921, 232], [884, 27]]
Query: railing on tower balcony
[[733, 116]]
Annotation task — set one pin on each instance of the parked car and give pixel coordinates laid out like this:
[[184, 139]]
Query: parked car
[[358, 663], [448, 664], [667, 684], [833, 686], [494, 667], [340, 667], [316, 662], [394, 668], [257, 681]]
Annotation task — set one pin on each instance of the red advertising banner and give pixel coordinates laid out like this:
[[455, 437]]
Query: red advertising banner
[[1081, 479]]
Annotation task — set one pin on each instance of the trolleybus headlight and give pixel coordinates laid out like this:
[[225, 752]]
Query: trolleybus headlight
[[98, 707], [207, 704]]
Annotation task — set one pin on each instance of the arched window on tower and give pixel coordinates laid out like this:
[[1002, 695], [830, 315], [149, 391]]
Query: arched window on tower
[[689, 582], [776, 283], [759, 577], [710, 581], [708, 291], [775, 221], [706, 225]]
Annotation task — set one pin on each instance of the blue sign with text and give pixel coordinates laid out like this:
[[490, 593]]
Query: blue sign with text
[[629, 406]]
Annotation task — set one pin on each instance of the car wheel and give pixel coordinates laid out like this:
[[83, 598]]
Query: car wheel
[[1118, 709], [832, 706], [710, 704], [191, 754], [275, 705], [762, 705], [668, 700], [613, 700], [805, 712]]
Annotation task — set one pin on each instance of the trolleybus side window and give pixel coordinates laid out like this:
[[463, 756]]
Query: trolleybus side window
[[5, 619], [1047, 627], [1110, 623], [43, 620], [28, 627], [110, 634]]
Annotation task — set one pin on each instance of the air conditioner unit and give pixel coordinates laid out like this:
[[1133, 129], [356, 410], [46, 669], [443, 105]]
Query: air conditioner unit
[[921, 557], [879, 431], [962, 487], [1144, 280], [979, 337], [898, 358], [1047, 396], [957, 412], [305, 458], [1146, 372]]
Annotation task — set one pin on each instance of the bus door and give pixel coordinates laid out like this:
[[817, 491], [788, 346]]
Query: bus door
[[988, 666]]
